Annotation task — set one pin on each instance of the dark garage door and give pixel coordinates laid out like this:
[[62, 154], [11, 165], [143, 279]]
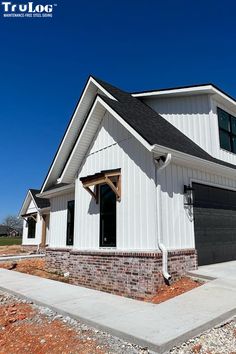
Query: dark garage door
[[214, 224]]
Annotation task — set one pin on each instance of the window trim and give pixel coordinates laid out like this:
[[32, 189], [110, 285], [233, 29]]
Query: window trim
[[31, 218], [230, 133], [68, 243], [100, 229]]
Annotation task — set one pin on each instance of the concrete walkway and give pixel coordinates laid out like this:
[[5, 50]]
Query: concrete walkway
[[225, 270], [158, 327], [20, 257]]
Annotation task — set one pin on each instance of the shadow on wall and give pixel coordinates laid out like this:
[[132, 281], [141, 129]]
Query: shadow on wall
[[130, 146], [93, 208], [198, 104]]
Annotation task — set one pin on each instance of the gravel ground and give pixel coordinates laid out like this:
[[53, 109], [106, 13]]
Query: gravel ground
[[218, 340], [106, 343]]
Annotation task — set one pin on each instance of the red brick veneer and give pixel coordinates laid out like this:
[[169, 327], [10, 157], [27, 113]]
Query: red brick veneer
[[133, 274], [32, 249]]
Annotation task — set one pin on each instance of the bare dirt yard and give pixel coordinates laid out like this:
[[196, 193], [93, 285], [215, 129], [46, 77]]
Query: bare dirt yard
[[27, 328], [8, 250], [33, 267]]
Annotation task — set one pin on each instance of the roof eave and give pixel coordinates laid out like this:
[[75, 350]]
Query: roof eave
[[100, 102], [90, 81], [176, 91], [185, 91], [56, 191], [194, 161], [22, 210]]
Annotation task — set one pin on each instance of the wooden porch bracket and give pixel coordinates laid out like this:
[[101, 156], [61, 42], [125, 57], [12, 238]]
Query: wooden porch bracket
[[110, 177], [31, 215]]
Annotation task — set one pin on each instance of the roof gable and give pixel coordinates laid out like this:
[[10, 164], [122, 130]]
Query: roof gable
[[91, 89], [141, 120], [39, 203]]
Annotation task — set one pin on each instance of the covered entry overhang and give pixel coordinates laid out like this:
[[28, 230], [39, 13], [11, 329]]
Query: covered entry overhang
[[110, 177]]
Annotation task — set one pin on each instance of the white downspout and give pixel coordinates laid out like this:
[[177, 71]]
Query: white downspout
[[161, 246]]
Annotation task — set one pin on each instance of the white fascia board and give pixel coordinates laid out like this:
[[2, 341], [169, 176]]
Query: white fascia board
[[106, 107], [184, 90], [55, 192], [101, 88], [61, 179], [23, 208], [195, 162], [91, 80], [26, 202], [66, 135], [207, 89]]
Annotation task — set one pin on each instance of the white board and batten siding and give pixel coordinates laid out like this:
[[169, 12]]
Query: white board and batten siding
[[190, 114], [137, 223], [114, 147], [177, 226], [58, 219], [196, 116], [38, 230]]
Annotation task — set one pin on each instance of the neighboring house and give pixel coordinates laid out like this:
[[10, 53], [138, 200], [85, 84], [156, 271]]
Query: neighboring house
[[142, 186], [14, 233], [35, 214], [8, 231]]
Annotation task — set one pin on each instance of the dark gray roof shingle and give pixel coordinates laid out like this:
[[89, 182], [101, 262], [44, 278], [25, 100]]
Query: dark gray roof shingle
[[151, 126], [40, 202]]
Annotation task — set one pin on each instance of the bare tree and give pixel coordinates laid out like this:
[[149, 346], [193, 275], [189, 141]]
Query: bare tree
[[13, 223]]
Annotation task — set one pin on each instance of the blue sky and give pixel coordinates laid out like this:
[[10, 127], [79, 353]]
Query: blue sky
[[134, 44]]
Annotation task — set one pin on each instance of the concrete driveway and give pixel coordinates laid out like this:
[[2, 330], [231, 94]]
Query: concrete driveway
[[226, 270]]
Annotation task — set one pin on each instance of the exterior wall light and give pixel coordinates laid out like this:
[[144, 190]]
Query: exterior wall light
[[188, 193]]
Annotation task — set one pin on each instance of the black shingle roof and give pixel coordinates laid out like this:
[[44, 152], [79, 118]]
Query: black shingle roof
[[151, 126], [41, 202]]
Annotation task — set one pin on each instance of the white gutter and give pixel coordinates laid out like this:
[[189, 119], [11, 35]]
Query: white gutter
[[193, 161], [202, 89], [178, 91], [160, 165], [56, 191]]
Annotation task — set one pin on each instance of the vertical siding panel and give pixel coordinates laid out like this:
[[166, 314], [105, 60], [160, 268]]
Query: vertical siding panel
[[58, 219], [136, 212], [188, 114]]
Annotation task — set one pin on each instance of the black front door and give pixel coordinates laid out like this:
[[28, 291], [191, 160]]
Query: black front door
[[214, 224], [107, 217]]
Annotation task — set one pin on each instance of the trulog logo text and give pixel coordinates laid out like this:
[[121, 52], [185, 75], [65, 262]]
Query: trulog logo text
[[28, 9]]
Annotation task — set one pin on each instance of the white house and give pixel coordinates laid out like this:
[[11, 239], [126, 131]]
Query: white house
[[35, 213], [142, 187]]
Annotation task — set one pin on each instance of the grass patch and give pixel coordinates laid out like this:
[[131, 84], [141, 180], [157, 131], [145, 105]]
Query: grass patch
[[9, 241]]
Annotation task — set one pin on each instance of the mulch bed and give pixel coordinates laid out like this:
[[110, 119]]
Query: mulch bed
[[179, 287]]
